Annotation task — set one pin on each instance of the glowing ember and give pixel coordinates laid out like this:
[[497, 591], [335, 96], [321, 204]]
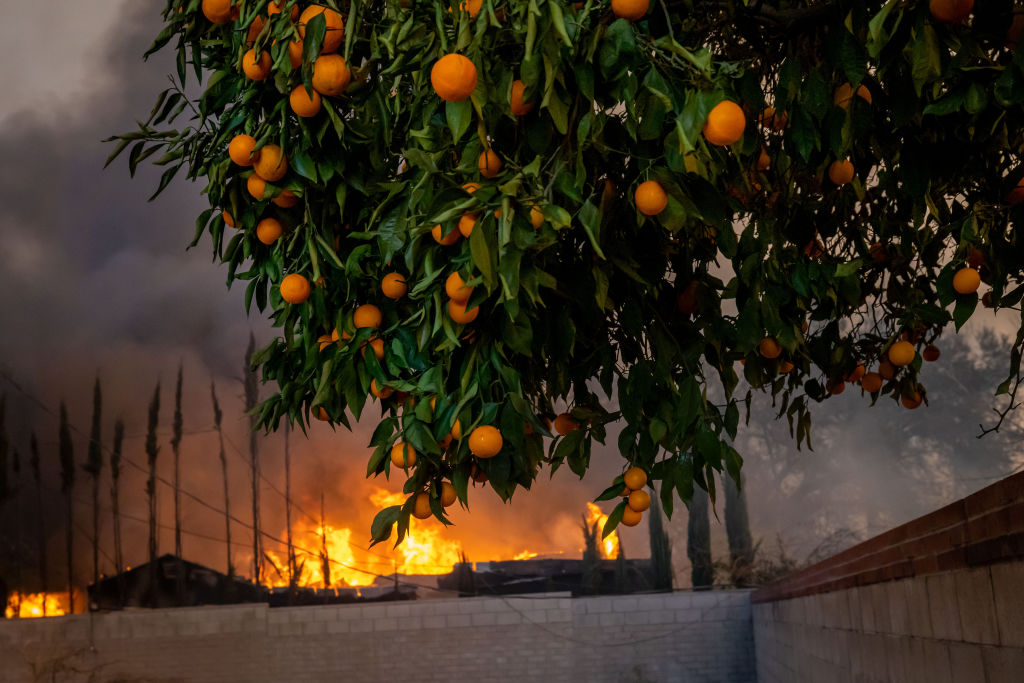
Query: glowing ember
[[611, 543], [30, 605]]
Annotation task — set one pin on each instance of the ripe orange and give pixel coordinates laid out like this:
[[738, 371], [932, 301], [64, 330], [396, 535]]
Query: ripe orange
[[255, 29], [456, 289], [771, 119], [489, 163], [335, 33], [650, 198], [770, 348], [976, 258], [857, 373], [840, 172], [286, 200], [630, 10], [931, 353], [304, 104], [901, 353], [466, 224], [331, 75], [394, 286], [473, 7], [886, 369], [950, 12], [631, 517], [564, 424], [835, 387], [485, 441], [453, 77], [966, 281], [725, 123], [271, 164], [257, 186], [229, 220], [421, 507], [517, 105], [1016, 195], [403, 455], [635, 478], [871, 382], [294, 288], [275, 8], [456, 431], [322, 415], [478, 475], [843, 95], [458, 313], [536, 216], [764, 162], [269, 230], [448, 495], [367, 315], [240, 149], [256, 68], [911, 401], [785, 367], [217, 11], [470, 188], [377, 344], [639, 500], [295, 53], [445, 240], [324, 340], [380, 392]]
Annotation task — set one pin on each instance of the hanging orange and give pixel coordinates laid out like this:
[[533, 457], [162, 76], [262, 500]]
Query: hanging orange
[[256, 68], [489, 163], [240, 149], [335, 33], [726, 123], [517, 104], [453, 77], [331, 75], [303, 103], [294, 288], [650, 198], [269, 230]]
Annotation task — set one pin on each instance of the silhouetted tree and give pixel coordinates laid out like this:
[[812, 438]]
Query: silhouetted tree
[[176, 425], [33, 448], [115, 500], [252, 391], [151, 452], [93, 467], [737, 528], [591, 568], [66, 452], [217, 419], [288, 514], [4, 489], [661, 548], [622, 583], [325, 559], [698, 541], [465, 580]]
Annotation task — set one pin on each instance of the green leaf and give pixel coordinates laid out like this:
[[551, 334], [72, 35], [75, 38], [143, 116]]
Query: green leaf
[[614, 517], [459, 115]]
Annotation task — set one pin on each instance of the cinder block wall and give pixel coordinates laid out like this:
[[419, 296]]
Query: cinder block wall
[[692, 637], [937, 600]]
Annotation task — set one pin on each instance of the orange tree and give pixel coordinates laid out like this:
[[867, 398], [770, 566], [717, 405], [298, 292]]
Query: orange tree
[[489, 215]]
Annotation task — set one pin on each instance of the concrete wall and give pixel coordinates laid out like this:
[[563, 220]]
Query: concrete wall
[[692, 637], [937, 600]]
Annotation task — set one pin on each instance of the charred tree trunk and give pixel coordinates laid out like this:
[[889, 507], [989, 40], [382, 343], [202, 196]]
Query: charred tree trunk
[[698, 541], [40, 515], [115, 501], [151, 453], [251, 398], [179, 577], [94, 466], [217, 418], [67, 483]]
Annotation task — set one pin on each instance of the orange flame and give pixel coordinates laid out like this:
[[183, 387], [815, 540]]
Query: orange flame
[[610, 545], [525, 555], [31, 605]]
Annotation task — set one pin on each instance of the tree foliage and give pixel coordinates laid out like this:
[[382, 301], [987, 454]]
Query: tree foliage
[[762, 253]]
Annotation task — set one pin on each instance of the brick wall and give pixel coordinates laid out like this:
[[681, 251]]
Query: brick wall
[[693, 637], [939, 599]]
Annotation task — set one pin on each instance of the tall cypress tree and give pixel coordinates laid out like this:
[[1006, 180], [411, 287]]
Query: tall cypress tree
[[737, 528], [252, 391], [93, 467], [176, 425], [115, 500], [698, 541], [33, 448], [151, 452], [661, 548], [591, 569], [288, 515], [217, 418], [325, 558], [66, 452], [4, 447]]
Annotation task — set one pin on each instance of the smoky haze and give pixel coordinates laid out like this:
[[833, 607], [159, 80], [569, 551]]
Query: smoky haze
[[98, 283]]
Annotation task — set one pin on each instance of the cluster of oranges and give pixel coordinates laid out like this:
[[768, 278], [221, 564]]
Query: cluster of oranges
[[636, 498]]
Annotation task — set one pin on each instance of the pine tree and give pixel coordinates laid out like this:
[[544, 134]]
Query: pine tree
[[33, 448], [698, 541], [67, 483], [217, 419], [115, 501], [176, 425], [737, 528], [93, 467], [661, 548], [622, 583], [591, 569], [251, 398], [151, 452]]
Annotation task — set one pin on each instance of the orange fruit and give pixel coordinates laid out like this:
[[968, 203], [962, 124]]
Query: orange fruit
[[650, 198], [878, 252], [771, 119], [931, 353], [271, 164], [770, 348], [857, 373], [564, 424], [473, 7], [448, 495], [256, 67], [331, 75], [835, 387], [324, 340], [966, 281], [367, 315], [886, 369], [844, 94], [456, 432], [478, 475], [295, 53], [286, 200], [393, 286], [517, 105], [453, 77], [536, 216], [785, 367], [489, 163], [269, 230], [639, 500], [950, 12], [304, 104], [294, 288], [726, 123], [911, 401], [871, 382], [764, 162], [380, 392], [485, 441], [377, 344], [635, 478], [403, 455], [458, 313], [229, 220], [240, 149], [444, 240], [257, 186], [335, 33], [255, 29], [631, 517], [901, 353], [840, 172], [322, 415], [470, 188], [1016, 195], [466, 224], [421, 508], [217, 11], [275, 8], [630, 10], [456, 289]]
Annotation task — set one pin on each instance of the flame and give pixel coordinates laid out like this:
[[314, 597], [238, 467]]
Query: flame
[[525, 555], [31, 605], [611, 542]]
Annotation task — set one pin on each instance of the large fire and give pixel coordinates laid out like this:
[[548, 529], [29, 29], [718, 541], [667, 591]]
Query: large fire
[[30, 605], [610, 545]]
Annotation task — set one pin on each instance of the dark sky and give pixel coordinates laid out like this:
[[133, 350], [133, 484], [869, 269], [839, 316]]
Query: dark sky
[[97, 281]]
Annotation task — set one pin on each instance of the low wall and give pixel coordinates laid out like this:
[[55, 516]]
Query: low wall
[[939, 599], [693, 637]]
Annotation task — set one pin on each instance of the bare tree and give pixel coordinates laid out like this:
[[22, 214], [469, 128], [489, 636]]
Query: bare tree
[[252, 391], [217, 419], [115, 500], [67, 483], [93, 467], [151, 452]]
